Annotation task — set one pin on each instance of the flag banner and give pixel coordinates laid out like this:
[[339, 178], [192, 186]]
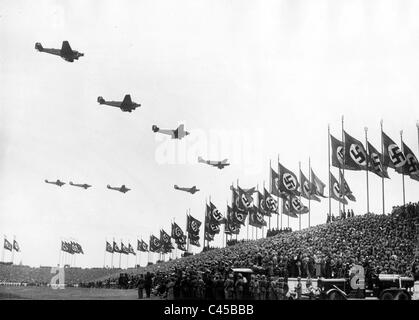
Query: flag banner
[[131, 249], [271, 203], [307, 188], [7, 245], [181, 240], [212, 227], [209, 236], [318, 185], [256, 218], [355, 154], [275, 183], [412, 164], [74, 248], [335, 191], [288, 181], [109, 247], [337, 152], [124, 248], [155, 244], [239, 218], [79, 248], [286, 209], [231, 227], [242, 199], [116, 248], [164, 237], [393, 155], [262, 205], [214, 214], [194, 240], [193, 225], [374, 162], [177, 232], [181, 246], [16, 246], [142, 246], [297, 206], [345, 187], [167, 247]]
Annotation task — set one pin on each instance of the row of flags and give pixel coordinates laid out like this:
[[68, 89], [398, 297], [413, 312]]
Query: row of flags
[[71, 247], [123, 249], [11, 246]]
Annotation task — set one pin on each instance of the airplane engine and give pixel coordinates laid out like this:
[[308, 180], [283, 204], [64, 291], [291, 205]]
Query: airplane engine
[[38, 46], [100, 100], [155, 128]]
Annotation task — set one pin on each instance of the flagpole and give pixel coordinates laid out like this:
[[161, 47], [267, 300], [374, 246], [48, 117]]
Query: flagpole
[[382, 163], [270, 188], [263, 227], [343, 167], [104, 255], [328, 149], [2, 253], [59, 256], [13, 247], [366, 170], [404, 191], [113, 241], [299, 216], [120, 256], [309, 198], [277, 217]]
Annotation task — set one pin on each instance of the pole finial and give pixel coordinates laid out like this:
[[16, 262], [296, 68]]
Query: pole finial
[[366, 129], [417, 124]]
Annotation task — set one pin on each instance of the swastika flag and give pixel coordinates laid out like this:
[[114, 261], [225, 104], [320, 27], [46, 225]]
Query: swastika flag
[[354, 153], [393, 155]]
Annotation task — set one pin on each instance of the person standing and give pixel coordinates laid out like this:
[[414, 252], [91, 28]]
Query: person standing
[[140, 285], [147, 284]]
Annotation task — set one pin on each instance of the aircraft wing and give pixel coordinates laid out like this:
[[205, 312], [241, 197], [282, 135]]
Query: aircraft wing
[[66, 49], [57, 52]]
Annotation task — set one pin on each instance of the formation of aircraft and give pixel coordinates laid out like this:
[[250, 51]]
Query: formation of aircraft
[[65, 52], [178, 133], [122, 189], [191, 190], [218, 164], [84, 185], [126, 105], [57, 183]]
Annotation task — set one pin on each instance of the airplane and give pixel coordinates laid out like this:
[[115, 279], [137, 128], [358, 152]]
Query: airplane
[[58, 182], [65, 52], [122, 189], [191, 190], [85, 185], [125, 105], [218, 164], [178, 133]]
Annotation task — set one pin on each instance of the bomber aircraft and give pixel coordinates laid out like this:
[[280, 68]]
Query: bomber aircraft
[[191, 190], [65, 52], [84, 185], [218, 164], [122, 189], [57, 183], [178, 133], [125, 105]]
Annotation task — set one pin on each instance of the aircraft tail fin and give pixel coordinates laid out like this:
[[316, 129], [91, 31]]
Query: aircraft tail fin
[[108, 186], [155, 128], [65, 48], [38, 46], [127, 99], [200, 159], [176, 186], [100, 100]]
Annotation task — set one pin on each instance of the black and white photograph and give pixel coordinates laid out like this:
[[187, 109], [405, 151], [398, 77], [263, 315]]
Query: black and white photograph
[[221, 152]]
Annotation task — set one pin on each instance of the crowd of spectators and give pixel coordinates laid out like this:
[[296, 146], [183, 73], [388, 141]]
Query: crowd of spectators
[[275, 231]]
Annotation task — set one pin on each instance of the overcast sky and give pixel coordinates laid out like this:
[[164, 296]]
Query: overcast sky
[[251, 81]]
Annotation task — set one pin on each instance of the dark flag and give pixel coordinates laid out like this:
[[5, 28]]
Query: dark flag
[[212, 227], [262, 205], [393, 156], [116, 248], [355, 154], [374, 162], [124, 249], [155, 244], [412, 164], [142, 246], [271, 203], [182, 240], [65, 246], [318, 185], [181, 246], [164, 238], [242, 199], [231, 227], [74, 248], [193, 225], [288, 181], [345, 187], [297, 206], [79, 248], [209, 236], [131, 249], [194, 240], [307, 188], [16, 246], [275, 183], [337, 152], [256, 218], [215, 216], [109, 247], [335, 190], [286, 209], [7, 245], [177, 232]]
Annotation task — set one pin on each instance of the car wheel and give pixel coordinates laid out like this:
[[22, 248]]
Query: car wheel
[[386, 296], [402, 296], [335, 295]]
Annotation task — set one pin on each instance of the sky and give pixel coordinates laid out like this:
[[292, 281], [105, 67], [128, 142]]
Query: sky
[[252, 81]]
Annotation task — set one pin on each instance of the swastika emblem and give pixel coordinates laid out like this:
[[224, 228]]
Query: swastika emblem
[[287, 206], [336, 190], [376, 162], [306, 188], [297, 205], [289, 181], [358, 154], [239, 216], [396, 156], [271, 203], [216, 214], [339, 154], [178, 232], [259, 217], [245, 201], [194, 226], [413, 164]]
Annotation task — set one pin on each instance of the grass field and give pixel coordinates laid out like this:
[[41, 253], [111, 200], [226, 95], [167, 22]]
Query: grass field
[[47, 293]]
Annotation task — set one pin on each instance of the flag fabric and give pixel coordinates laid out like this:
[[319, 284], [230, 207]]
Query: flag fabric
[[155, 244], [412, 164], [164, 238], [212, 227], [209, 236], [177, 232], [109, 247], [239, 218], [131, 249], [271, 203], [243, 199], [297, 206], [124, 248], [337, 152], [393, 155], [194, 240], [286, 209], [318, 185], [345, 187], [307, 188], [231, 227], [181, 240], [16, 246], [193, 225], [181, 246], [142, 246], [65, 246], [79, 248], [374, 162], [354, 153], [7, 245], [256, 218], [275, 183], [215, 215], [262, 205], [116, 248], [74, 248], [288, 181], [335, 190]]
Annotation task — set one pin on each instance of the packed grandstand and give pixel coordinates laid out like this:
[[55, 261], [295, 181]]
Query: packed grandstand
[[383, 244]]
